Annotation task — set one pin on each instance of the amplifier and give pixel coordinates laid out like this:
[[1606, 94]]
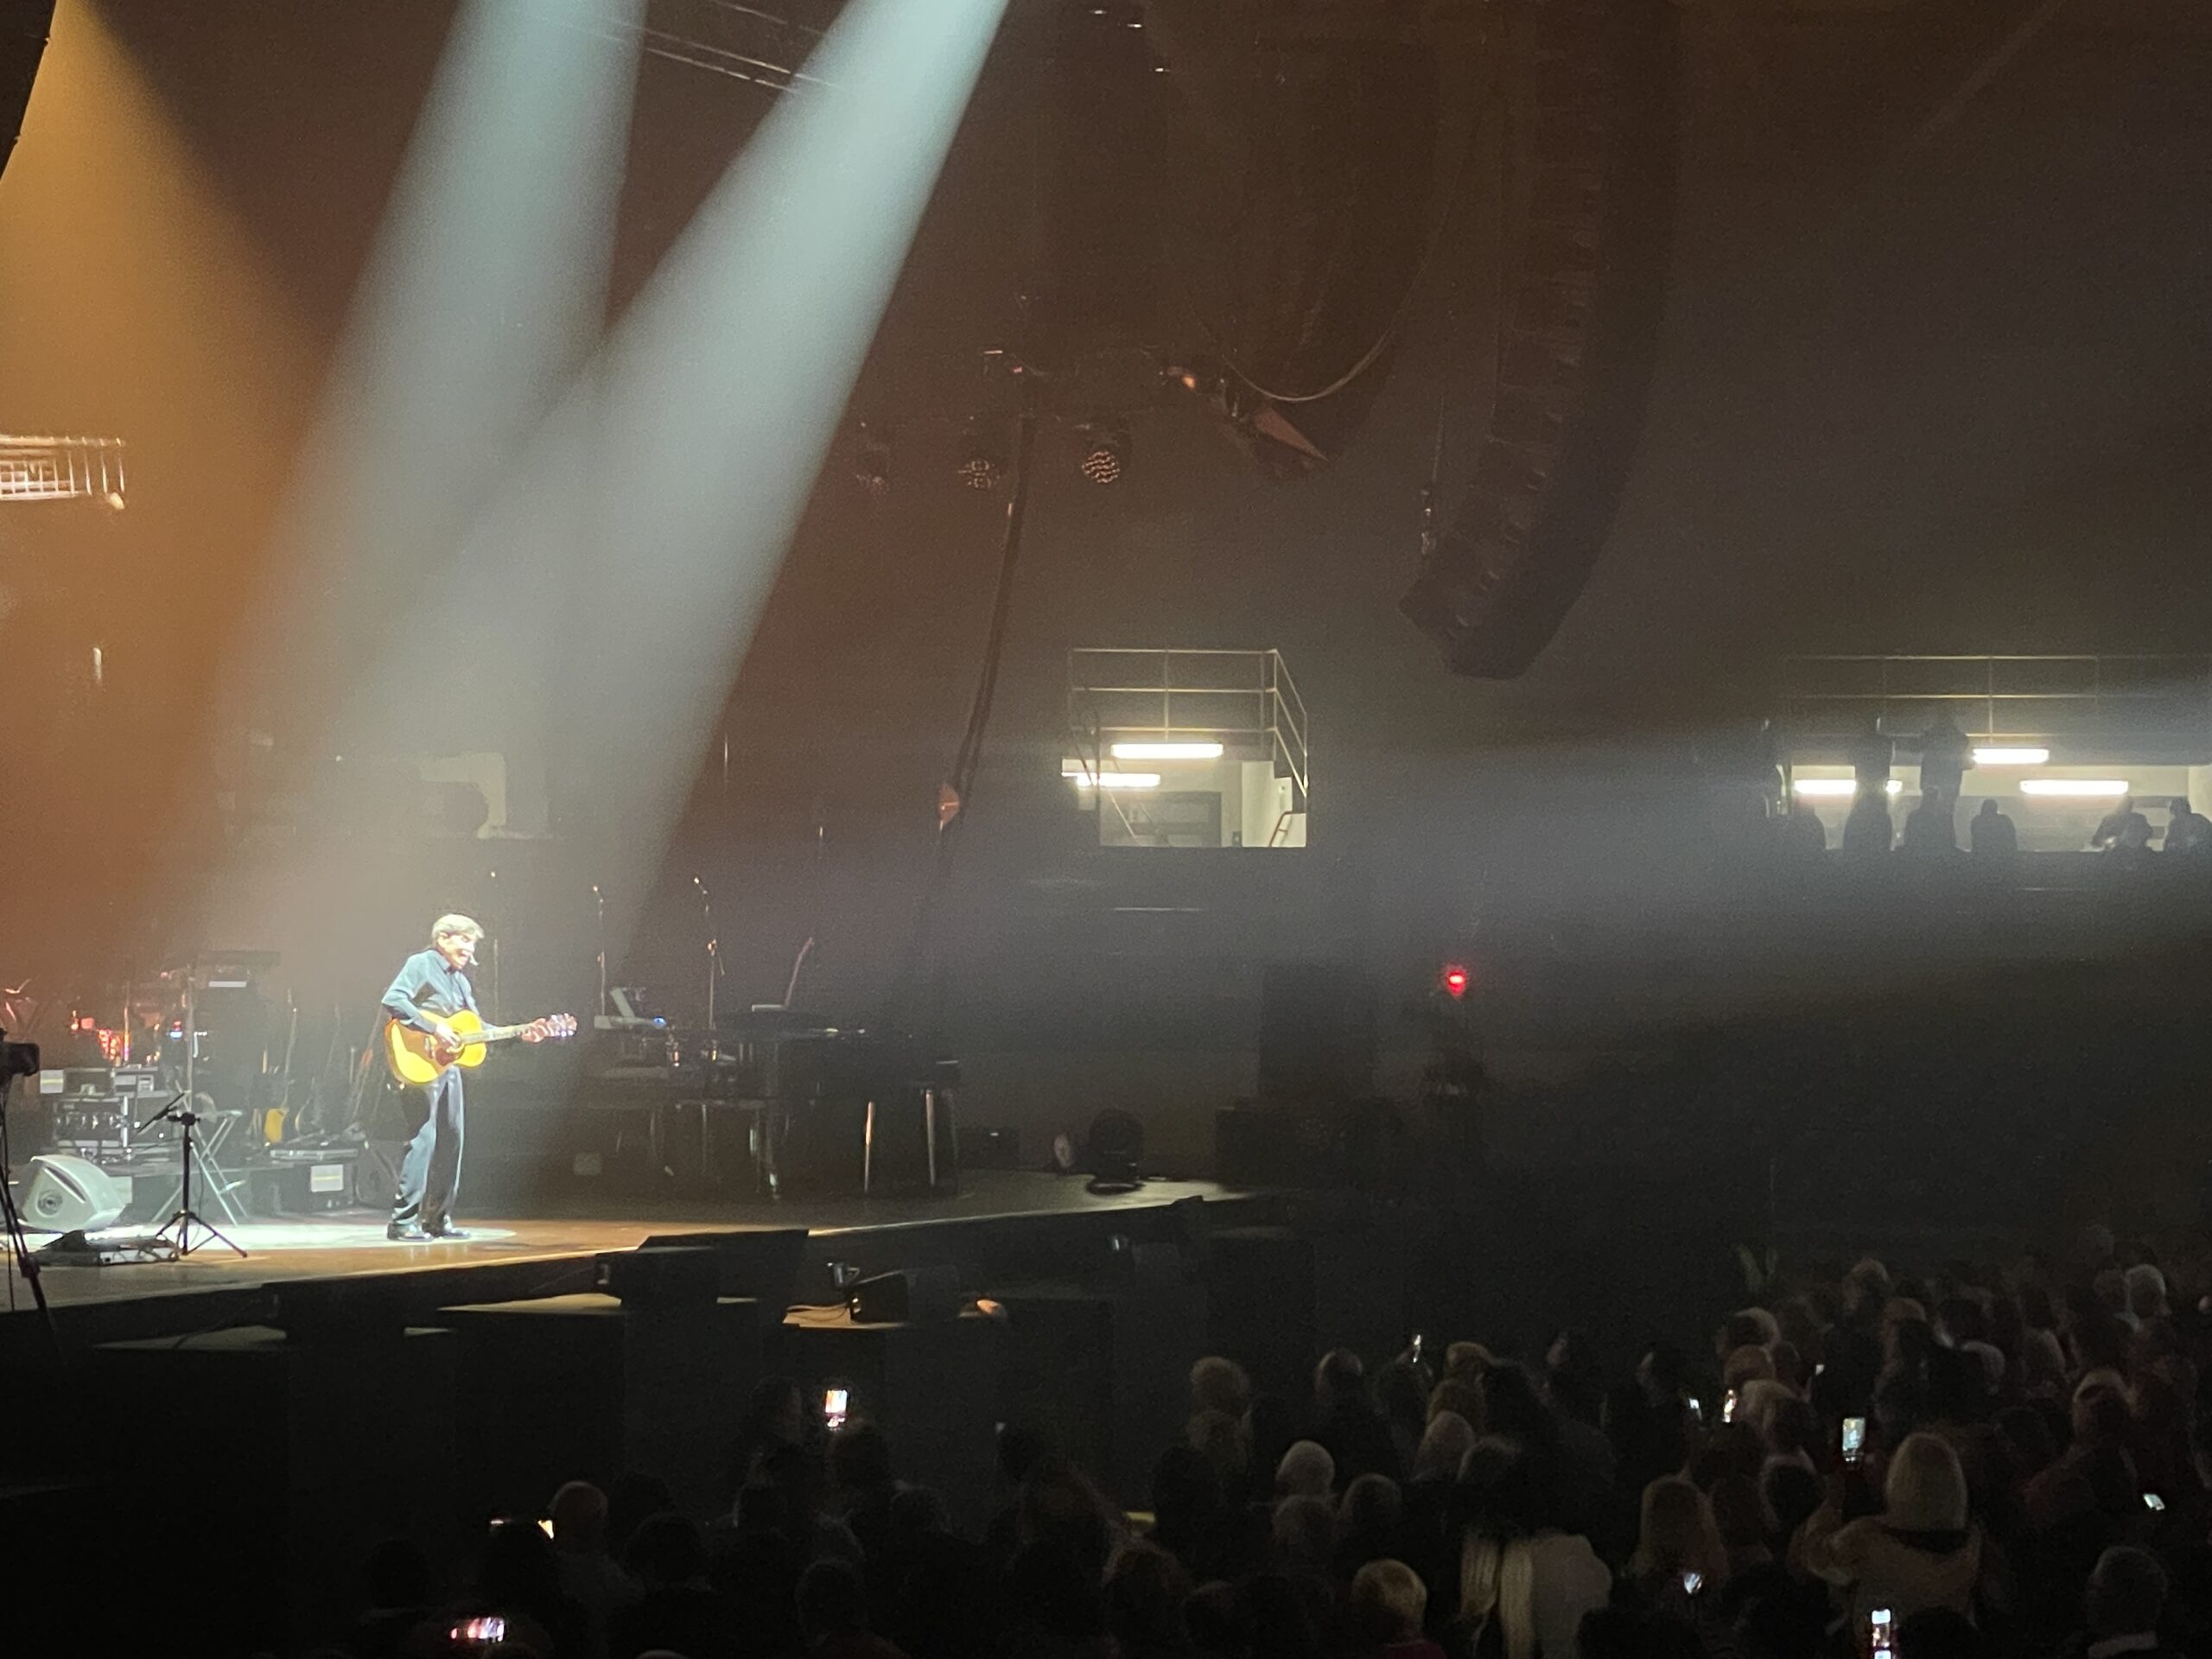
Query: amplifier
[[303, 1186], [105, 1126]]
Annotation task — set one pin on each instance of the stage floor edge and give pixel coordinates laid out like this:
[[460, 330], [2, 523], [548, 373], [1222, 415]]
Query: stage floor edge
[[215, 1285]]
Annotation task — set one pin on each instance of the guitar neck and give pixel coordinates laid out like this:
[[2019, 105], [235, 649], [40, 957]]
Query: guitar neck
[[497, 1034]]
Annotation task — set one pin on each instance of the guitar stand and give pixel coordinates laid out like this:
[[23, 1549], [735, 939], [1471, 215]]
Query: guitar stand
[[179, 1112]]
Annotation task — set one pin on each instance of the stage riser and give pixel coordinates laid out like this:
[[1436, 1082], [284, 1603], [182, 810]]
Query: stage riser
[[580, 1387], [1012, 1248], [253, 1474], [936, 1390], [1278, 1298], [1103, 1375]]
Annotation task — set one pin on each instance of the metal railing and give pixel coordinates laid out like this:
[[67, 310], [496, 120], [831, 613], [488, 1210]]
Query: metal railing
[[2003, 695], [61, 469], [1237, 698]]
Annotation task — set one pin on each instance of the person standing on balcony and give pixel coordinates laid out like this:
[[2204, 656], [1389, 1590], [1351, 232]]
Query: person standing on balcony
[[1945, 755], [1871, 753], [1867, 829]]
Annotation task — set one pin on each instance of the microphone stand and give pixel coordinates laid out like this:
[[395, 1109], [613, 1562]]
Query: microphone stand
[[498, 1007], [179, 1111], [714, 950], [599, 904]]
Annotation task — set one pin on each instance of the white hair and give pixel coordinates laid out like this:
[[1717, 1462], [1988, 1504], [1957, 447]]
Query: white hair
[[2146, 1291], [1307, 1470]]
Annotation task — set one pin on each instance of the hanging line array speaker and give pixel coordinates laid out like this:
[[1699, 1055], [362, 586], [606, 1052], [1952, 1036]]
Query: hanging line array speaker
[[1590, 186], [24, 26]]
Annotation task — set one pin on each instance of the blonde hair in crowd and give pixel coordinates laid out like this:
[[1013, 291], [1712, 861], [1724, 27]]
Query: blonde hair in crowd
[[1497, 1580]]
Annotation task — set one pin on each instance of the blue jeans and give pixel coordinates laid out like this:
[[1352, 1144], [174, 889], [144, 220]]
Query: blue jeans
[[429, 1174]]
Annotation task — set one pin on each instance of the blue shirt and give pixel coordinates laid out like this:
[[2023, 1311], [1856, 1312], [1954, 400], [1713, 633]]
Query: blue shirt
[[428, 989]]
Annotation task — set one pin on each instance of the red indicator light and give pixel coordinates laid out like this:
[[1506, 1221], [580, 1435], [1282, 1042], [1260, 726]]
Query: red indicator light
[[1454, 980]]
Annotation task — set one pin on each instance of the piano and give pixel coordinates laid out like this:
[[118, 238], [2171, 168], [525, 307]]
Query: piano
[[827, 1109]]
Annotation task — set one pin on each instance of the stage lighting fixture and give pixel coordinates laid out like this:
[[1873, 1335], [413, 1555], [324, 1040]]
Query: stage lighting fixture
[[872, 459], [1202, 375], [2019, 757], [2107, 789], [1106, 451], [983, 453]]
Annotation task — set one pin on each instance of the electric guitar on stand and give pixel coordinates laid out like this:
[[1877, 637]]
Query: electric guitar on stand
[[416, 1057]]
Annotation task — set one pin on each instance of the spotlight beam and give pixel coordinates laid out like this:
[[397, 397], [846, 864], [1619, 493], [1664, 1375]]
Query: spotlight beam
[[709, 413], [484, 292]]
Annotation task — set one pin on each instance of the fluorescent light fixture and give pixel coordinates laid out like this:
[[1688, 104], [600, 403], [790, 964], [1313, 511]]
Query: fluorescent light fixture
[[2011, 757], [1114, 780], [1836, 789], [1165, 750], [2095, 788]]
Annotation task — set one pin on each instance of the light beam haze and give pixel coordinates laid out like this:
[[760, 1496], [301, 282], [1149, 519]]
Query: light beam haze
[[692, 443], [484, 292]]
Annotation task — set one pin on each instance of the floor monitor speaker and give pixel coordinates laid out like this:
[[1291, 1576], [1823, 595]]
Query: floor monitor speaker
[[64, 1194]]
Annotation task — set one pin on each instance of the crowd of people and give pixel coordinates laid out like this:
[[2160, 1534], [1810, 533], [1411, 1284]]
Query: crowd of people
[[1931, 827], [1972, 1463], [1930, 830]]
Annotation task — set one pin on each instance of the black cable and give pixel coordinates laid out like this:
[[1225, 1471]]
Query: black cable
[[968, 760]]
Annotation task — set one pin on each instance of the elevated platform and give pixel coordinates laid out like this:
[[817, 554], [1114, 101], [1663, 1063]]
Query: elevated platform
[[999, 1220]]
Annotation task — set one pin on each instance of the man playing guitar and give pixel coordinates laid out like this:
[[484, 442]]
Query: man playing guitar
[[432, 986]]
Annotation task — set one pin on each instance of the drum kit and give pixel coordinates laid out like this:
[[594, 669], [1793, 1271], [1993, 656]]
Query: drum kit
[[169, 1093]]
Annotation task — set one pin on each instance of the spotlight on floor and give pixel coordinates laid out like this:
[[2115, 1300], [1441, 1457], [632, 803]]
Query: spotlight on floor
[[872, 459], [984, 453], [1106, 451]]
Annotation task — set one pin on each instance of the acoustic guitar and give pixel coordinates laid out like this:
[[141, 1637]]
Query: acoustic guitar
[[418, 1057]]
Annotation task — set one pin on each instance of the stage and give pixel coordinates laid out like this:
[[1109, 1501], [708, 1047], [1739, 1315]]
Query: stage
[[997, 1219]]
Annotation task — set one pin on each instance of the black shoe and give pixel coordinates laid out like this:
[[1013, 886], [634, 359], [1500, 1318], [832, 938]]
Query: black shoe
[[405, 1232], [443, 1229]]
